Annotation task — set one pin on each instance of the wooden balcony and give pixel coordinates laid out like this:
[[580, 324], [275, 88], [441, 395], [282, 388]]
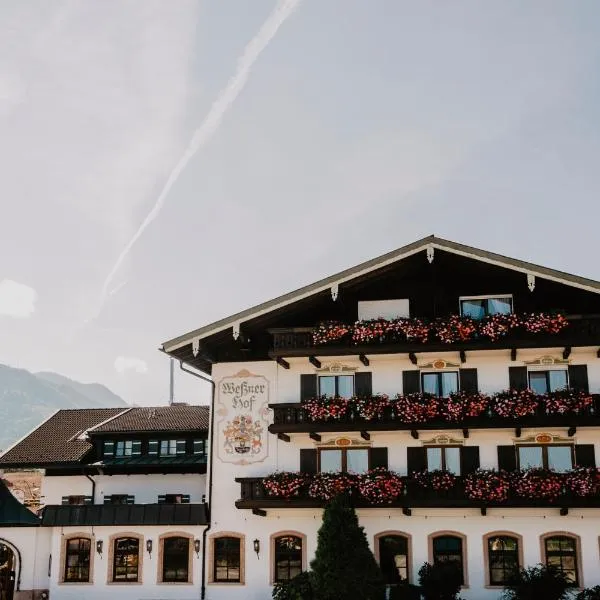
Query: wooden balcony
[[293, 418], [583, 330], [256, 498]]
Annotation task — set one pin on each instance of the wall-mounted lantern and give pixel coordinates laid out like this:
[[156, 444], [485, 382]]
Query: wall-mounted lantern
[[257, 547], [197, 547], [149, 546], [99, 545]]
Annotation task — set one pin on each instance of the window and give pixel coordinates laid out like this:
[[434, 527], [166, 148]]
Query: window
[[480, 307], [176, 558], [561, 552], [172, 447], [440, 384], [393, 558], [558, 458], [119, 499], [108, 448], [126, 559], [129, 448], [199, 447], [288, 557], [227, 564], [444, 458], [76, 500], [542, 382], [174, 499], [353, 460], [503, 558], [77, 560], [449, 549], [341, 386]]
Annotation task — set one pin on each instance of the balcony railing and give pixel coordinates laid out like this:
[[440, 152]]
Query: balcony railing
[[294, 418], [253, 495], [583, 330]]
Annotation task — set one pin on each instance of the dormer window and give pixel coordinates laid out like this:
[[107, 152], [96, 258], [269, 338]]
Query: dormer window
[[172, 447], [479, 307], [341, 386], [128, 448]]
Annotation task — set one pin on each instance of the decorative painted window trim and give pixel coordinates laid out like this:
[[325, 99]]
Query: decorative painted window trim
[[161, 553], [486, 558], [63, 557], [465, 553], [578, 554], [404, 534], [111, 558], [211, 558], [272, 539]]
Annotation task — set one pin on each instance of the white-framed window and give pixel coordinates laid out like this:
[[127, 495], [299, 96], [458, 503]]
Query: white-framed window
[[479, 307], [440, 383], [548, 380], [341, 386], [128, 448], [172, 447], [557, 457], [443, 458]]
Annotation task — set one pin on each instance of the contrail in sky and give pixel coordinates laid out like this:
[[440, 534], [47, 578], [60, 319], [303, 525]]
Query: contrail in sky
[[210, 124]]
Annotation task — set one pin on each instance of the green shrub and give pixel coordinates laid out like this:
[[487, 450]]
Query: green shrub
[[405, 591], [441, 581], [344, 567], [589, 594], [535, 583], [299, 588]]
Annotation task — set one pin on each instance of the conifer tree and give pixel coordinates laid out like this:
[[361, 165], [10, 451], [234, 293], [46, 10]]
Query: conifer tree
[[344, 567]]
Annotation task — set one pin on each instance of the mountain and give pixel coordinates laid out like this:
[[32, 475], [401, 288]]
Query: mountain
[[26, 399]]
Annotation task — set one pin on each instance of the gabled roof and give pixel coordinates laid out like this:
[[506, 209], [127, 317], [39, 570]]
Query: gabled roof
[[430, 243], [12, 512], [58, 439], [177, 417]]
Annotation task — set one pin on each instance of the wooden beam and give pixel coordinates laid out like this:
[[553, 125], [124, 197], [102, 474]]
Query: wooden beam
[[259, 512], [284, 437], [566, 352], [413, 358], [513, 354], [365, 435], [314, 436], [483, 510], [313, 360], [282, 362], [572, 431], [465, 433], [406, 511], [463, 356], [564, 511], [414, 434], [517, 432], [363, 359]]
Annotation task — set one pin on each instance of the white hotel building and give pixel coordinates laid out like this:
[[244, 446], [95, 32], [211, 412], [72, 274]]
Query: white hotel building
[[269, 362]]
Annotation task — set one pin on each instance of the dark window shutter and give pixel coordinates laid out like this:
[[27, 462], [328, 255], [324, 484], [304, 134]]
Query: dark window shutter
[[363, 384], [411, 382], [185, 499], [507, 458], [65, 500], [379, 458], [107, 499], [308, 460], [578, 378], [469, 459], [162, 498], [585, 455], [517, 377], [416, 458], [308, 387], [87, 500], [468, 381], [130, 499]]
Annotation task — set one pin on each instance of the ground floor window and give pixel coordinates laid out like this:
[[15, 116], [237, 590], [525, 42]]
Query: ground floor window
[[288, 557], [561, 552], [449, 549], [503, 558], [77, 560], [227, 560], [126, 559], [175, 559], [393, 558]]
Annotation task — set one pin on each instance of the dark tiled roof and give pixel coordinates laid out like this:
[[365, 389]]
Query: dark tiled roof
[[180, 417], [55, 440], [133, 514]]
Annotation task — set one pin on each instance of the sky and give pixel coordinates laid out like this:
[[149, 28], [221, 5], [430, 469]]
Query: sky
[[355, 128]]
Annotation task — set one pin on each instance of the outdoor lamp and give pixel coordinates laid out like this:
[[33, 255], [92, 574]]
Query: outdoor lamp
[[257, 547], [99, 545], [197, 547], [149, 546]]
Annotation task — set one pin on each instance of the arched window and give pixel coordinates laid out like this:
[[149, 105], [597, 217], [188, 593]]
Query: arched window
[[77, 560], [126, 559], [175, 559], [503, 558], [288, 557], [561, 552], [449, 549], [393, 558], [227, 560]]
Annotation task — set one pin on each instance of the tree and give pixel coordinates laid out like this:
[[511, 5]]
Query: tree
[[344, 567], [535, 583], [440, 581]]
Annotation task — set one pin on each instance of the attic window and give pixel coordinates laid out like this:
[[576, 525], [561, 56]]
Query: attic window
[[385, 309], [478, 307]]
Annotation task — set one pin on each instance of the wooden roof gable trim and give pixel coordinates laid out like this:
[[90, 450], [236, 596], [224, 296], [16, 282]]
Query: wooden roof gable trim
[[377, 263], [34, 429]]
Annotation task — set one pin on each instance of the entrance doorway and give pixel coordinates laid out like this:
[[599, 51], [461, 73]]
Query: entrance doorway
[[7, 572]]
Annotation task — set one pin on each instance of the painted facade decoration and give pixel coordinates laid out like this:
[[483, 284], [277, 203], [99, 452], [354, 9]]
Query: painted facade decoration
[[243, 408]]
